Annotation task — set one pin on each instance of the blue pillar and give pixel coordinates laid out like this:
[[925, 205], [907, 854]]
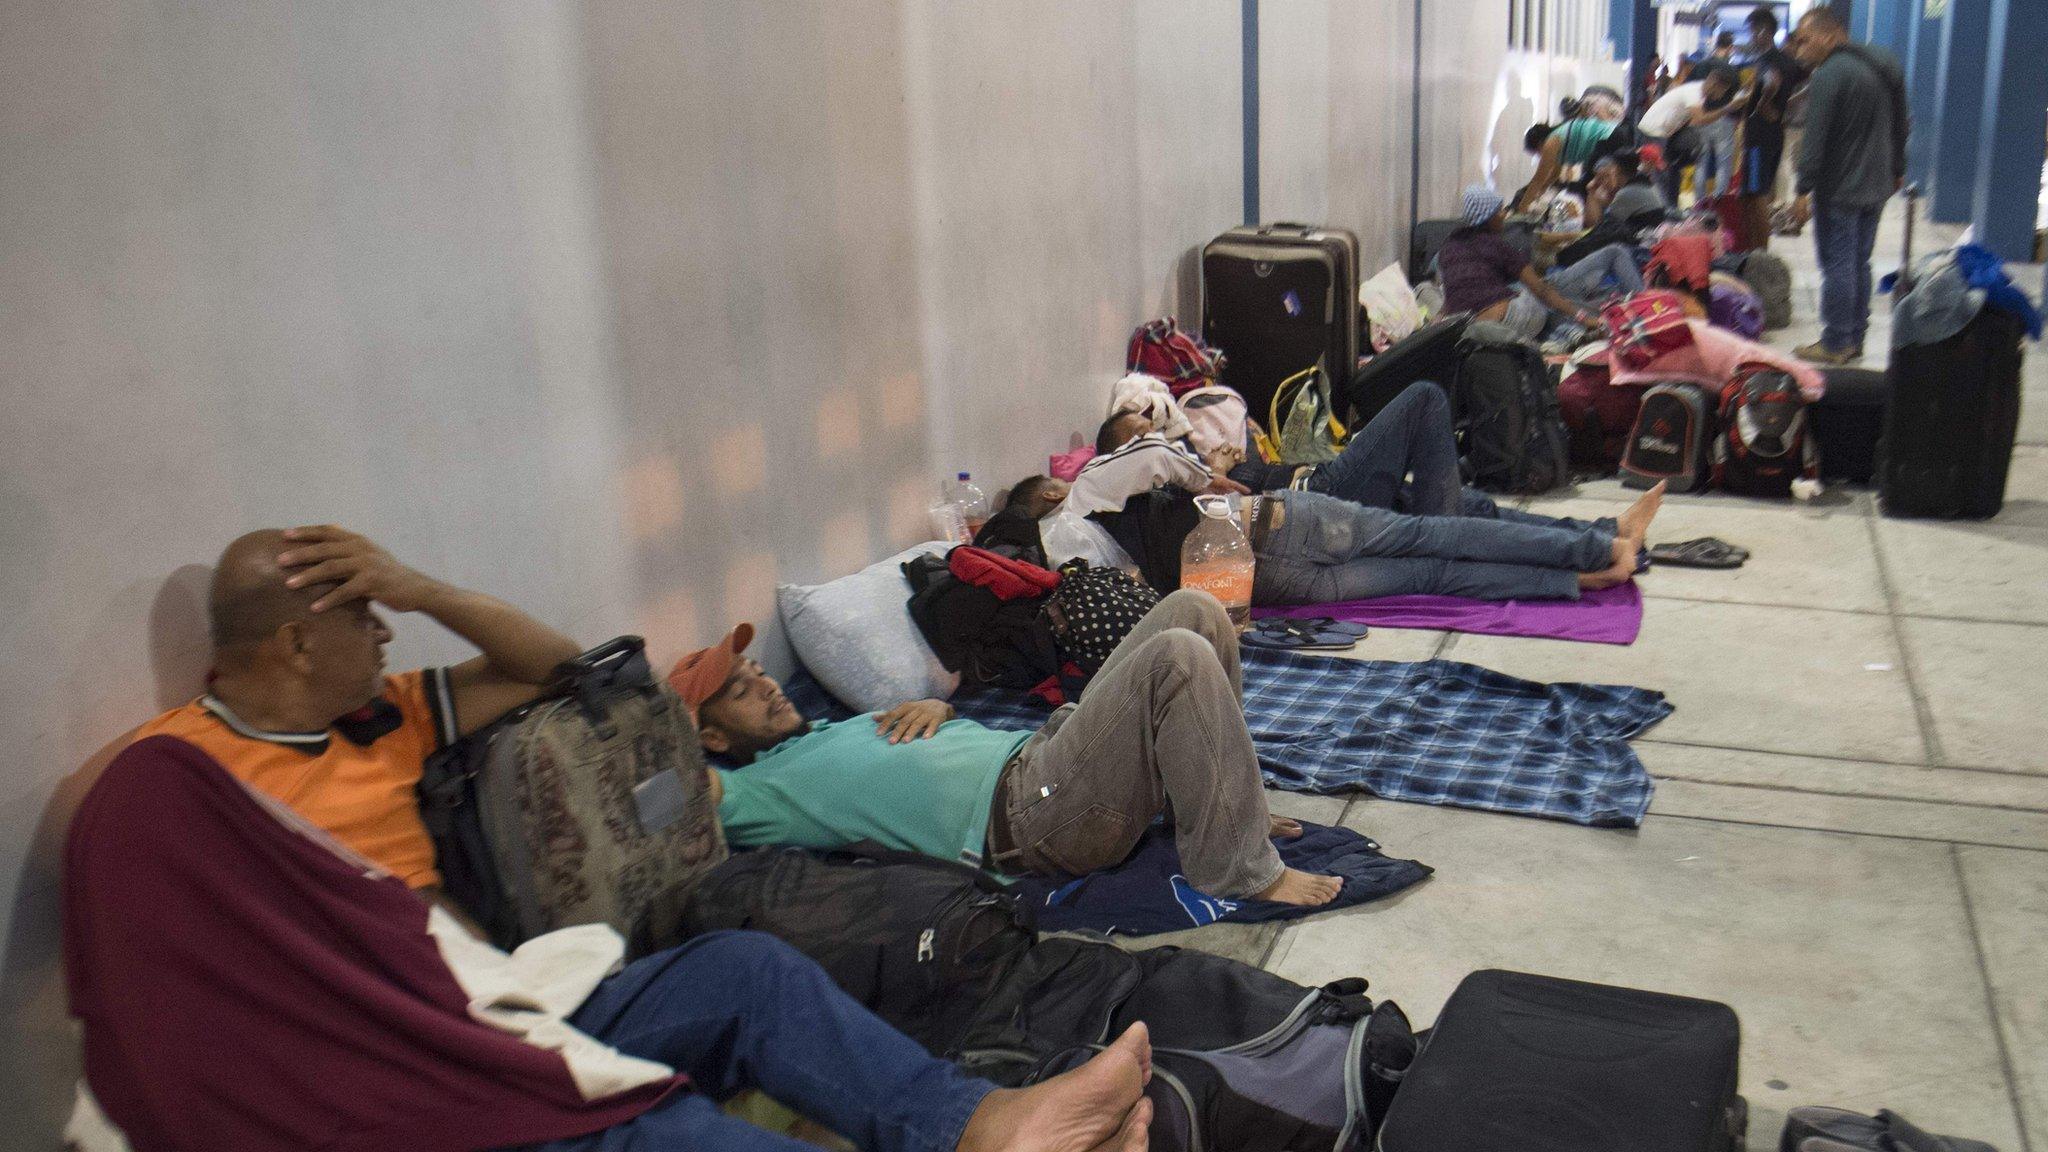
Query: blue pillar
[[1642, 50], [1923, 61], [1958, 109], [1620, 20], [2010, 129]]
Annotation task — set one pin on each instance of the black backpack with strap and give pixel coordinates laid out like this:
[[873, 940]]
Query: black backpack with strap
[[1509, 428]]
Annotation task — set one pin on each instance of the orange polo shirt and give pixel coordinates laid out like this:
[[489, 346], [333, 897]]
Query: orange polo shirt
[[354, 780]]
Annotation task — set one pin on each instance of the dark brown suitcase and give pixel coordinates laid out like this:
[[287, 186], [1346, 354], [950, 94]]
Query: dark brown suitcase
[[1278, 299]]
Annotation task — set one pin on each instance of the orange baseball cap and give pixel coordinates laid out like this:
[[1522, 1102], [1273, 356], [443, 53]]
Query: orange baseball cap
[[698, 676]]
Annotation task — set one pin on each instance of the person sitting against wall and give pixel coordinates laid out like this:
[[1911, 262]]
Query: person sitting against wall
[[1591, 129], [261, 847], [1159, 729], [1390, 516], [1485, 275]]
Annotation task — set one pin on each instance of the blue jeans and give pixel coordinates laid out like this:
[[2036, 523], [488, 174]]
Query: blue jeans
[[738, 1010], [1412, 434], [1612, 268], [1327, 549], [1844, 239]]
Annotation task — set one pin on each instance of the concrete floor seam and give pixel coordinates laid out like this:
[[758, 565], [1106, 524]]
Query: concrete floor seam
[[1985, 769], [1845, 611], [1885, 797], [1848, 832], [1923, 711], [2012, 1082]]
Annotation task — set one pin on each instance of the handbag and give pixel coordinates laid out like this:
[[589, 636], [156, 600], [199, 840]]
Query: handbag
[[1304, 419]]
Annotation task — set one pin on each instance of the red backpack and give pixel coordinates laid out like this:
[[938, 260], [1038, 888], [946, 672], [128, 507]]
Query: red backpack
[[1645, 326], [1159, 348], [1764, 443]]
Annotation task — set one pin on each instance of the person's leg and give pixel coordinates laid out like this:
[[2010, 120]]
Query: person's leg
[[1412, 434], [1284, 581], [1197, 612], [736, 1010], [1160, 728], [1527, 315], [1321, 530], [1866, 246], [1834, 242], [1587, 280]]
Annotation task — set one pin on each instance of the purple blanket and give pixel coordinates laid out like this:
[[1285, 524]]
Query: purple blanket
[[1607, 616]]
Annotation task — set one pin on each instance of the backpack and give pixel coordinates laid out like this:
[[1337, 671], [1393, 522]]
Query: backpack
[[1241, 1058], [589, 805], [1673, 439], [920, 942], [1771, 279], [1598, 414], [1218, 419], [1159, 348], [1092, 611], [1509, 428], [1645, 326], [1303, 420], [1764, 442], [1734, 305]]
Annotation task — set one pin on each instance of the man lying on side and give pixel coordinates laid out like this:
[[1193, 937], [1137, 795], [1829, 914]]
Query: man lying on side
[[1390, 516], [253, 968], [1160, 728]]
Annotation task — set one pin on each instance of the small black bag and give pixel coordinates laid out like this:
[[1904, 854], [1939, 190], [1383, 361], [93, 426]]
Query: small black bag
[[1673, 439], [1092, 610], [1517, 1062], [1512, 434], [920, 942]]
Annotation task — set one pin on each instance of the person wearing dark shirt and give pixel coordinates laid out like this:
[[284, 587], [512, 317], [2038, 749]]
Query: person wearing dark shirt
[[1852, 159], [1485, 275], [1763, 122]]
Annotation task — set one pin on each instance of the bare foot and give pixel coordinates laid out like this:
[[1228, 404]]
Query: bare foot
[[1620, 572], [1635, 523], [1095, 1106], [1282, 827], [1302, 888]]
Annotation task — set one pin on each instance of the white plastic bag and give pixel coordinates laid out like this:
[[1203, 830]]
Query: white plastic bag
[[1390, 305], [1067, 535]]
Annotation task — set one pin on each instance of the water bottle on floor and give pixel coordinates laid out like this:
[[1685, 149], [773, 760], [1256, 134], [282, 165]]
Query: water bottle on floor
[[973, 503], [1217, 558]]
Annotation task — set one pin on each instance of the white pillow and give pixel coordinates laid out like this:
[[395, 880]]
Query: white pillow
[[856, 636]]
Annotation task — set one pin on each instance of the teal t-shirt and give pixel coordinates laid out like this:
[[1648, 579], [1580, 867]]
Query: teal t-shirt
[[842, 781]]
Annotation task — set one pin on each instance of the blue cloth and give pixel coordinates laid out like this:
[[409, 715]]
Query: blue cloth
[[1435, 732], [737, 1010], [1843, 238], [1147, 893], [1982, 269]]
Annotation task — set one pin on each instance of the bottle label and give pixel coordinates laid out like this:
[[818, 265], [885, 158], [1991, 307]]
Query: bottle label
[[1232, 584]]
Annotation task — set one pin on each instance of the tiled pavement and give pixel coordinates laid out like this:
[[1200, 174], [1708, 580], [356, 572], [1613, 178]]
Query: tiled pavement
[[1849, 841]]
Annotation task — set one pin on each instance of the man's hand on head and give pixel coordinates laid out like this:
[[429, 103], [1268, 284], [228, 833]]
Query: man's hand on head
[[916, 720], [326, 554]]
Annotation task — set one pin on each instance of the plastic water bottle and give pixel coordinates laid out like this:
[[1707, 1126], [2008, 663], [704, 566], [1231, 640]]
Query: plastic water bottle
[[1217, 558], [973, 503]]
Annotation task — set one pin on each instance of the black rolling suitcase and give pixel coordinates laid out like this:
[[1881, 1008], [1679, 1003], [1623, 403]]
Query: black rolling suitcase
[[1519, 1062], [1428, 353], [1847, 423], [1278, 299], [1423, 242], [1948, 433]]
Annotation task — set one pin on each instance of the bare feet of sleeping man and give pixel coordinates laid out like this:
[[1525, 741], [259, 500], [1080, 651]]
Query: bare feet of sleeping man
[[1304, 888], [1635, 523], [1282, 828], [1098, 1106], [1621, 571]]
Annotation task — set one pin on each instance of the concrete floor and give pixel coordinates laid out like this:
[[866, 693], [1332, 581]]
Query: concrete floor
[[1849, 841]]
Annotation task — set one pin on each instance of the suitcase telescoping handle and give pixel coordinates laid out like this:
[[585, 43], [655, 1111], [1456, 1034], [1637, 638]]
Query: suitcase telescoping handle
[[617, 663], [1904, 283], [1306, 230]]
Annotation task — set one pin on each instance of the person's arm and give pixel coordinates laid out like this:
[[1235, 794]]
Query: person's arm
[[1547, 167], [519, 653], [1554, 300], [1820, 116], [917, 720]]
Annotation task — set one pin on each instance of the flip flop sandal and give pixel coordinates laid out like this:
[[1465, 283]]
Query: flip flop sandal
[[1838, 1130], [1642, 561], [1706, 552], [1316, 634]]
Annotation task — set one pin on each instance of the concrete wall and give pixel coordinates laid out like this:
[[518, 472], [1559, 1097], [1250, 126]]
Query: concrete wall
[[622, 310]]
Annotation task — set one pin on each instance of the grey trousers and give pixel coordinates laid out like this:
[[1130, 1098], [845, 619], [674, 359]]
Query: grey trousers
[[1160, 729]]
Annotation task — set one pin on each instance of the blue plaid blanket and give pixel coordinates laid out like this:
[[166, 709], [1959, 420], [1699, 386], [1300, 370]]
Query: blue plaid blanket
[[1435, 732]]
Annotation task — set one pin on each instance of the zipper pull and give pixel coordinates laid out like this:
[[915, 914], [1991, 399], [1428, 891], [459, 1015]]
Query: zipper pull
[[924, 944]]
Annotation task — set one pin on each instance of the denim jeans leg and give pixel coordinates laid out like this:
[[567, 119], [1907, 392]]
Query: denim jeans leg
[[1866, 246], [1586, 280], [1412, 434], [1835, 243], [776, 1023]]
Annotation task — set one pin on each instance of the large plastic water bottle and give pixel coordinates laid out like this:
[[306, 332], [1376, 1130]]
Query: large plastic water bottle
[[973, 503], [1217, 558]]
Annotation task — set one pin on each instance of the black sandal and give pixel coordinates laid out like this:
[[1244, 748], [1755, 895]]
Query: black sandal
[[1705, 552]]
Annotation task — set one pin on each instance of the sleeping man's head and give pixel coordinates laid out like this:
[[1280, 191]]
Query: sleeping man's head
[[740, 709], [1120, 430]]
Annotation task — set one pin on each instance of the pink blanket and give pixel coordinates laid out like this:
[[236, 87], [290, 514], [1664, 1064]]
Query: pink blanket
[[1712, 358], [1608, 616]]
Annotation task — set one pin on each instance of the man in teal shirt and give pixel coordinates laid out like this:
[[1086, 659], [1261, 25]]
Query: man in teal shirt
[[1159, 729]]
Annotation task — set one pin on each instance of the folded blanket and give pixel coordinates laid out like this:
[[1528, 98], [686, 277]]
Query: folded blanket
[[1712, 358], [1437, 732], [1147, 893], [1601, 616]]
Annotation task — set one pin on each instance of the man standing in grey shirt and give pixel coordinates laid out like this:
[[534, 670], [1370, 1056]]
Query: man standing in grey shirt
[[1852, 159]]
